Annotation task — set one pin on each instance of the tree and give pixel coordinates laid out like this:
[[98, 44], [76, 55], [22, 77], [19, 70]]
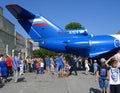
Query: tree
[[73, 25], [118, 32], [43, 52]]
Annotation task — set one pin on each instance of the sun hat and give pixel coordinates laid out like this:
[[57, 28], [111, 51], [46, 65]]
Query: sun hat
[[95, 61], [102, 60]]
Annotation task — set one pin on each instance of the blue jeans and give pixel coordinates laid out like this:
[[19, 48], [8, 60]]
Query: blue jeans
[[57, 68], [103, 83], [42, 70], [38, 70]]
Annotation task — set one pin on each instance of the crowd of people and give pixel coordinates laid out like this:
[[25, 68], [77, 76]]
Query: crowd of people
[[106, 71], [9, 67], [15, 66]]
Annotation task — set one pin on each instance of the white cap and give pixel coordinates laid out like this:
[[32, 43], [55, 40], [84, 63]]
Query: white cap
[[102, 60], [95, 60]]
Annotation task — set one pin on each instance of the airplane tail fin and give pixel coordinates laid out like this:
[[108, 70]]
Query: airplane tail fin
[[36, 26]]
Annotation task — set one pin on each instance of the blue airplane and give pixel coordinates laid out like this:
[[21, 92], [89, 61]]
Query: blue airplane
[[52, 37]]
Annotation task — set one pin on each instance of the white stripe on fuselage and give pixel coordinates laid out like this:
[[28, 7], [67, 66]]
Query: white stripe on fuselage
[[36, 20], [42, 19], [116, 36]]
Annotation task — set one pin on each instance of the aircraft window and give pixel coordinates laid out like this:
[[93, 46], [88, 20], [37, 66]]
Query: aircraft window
[[43, 42]]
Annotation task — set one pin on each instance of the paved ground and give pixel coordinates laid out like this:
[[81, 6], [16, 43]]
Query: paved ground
[[47, 83]]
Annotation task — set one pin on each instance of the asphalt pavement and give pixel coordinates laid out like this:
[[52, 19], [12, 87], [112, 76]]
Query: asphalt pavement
[[48, 83]]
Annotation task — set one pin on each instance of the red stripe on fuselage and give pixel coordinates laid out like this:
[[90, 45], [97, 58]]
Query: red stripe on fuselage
[[41, 24], [12, 5]]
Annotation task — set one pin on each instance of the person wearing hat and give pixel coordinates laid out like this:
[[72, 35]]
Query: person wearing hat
[[102, 75], [117, 57], [114, 74]]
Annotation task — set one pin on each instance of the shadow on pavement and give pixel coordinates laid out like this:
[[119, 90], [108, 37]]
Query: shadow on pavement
[[93, 90], [22, 79], [1, 85], [9, 79]]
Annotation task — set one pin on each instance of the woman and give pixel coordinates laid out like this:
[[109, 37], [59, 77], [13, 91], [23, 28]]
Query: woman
[[3, 69], [87, 66]]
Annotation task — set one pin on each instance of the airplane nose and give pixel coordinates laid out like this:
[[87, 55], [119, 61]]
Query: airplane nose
[[117, 43], [116, 40]]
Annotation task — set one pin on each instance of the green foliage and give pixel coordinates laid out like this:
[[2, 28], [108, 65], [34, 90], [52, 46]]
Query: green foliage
[[118, 32], [73, 25], [43, 52]]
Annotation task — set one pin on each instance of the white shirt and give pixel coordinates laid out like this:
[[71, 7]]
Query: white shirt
[[41, 64], [114, 75], [86, 63]]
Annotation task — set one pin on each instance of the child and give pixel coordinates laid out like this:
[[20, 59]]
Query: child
[[114, 75], [67, 68], [22, 67], [37, 67], [102, 75], [52, 67], [87, 66], [41, 66], [95, 65]]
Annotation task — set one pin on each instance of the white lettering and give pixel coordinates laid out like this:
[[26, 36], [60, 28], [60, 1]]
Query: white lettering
[[77, 31]]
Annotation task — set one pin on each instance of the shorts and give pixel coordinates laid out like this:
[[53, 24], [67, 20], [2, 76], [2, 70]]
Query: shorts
[[47, 65], [61, 66], [103, 83], [87, 67]]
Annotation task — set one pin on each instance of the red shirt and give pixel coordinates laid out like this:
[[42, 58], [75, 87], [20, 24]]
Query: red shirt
[[9, 61]]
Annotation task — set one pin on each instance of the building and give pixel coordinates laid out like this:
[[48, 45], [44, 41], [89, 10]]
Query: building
[[36, 46], [11, 41], [6, 35], [29, 47]]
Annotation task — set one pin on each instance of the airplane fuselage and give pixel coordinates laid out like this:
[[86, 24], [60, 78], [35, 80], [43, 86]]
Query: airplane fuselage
[[87, 46]]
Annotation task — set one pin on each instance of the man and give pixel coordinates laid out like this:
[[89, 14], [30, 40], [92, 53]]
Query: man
[[73, 65], [9, 65], [57, 62], [15, 66], [102, 75], [47, 62], [61, 65]]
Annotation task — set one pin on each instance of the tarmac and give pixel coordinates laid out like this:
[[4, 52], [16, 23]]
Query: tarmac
[[48, 83]]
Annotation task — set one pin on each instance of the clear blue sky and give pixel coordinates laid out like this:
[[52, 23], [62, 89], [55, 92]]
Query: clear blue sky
[[98, 16]]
